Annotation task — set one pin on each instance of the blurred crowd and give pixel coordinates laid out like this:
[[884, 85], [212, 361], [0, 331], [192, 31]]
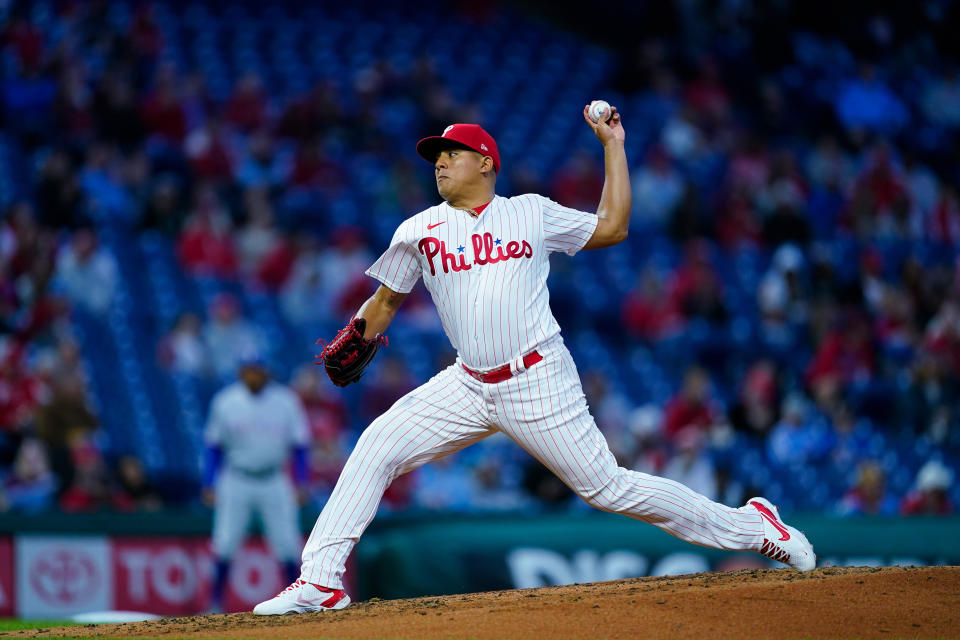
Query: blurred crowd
[[790, 288]]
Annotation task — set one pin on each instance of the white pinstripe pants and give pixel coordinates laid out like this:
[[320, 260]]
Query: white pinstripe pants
[[543, 410]]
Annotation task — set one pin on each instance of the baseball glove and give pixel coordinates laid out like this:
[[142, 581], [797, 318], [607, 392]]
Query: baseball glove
[[348, 354]]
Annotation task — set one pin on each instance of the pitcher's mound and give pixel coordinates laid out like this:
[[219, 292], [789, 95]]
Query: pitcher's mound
[[921, 602]]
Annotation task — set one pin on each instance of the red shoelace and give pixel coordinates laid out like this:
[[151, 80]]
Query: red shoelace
[[296, 583]]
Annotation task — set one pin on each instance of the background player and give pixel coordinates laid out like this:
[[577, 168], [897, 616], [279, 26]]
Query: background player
[[484, 260], [254, 427]]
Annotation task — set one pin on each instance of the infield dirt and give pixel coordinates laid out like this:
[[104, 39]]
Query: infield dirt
[[899, 602]]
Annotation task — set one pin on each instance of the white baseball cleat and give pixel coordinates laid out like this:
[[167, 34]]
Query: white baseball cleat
[[781, 542], [303, 597]]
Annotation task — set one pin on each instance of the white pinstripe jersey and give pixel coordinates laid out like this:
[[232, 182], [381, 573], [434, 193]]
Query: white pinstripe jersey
[[487, 274]]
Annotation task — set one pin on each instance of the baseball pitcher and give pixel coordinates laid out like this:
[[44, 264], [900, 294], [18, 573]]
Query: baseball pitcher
[[484, 260]]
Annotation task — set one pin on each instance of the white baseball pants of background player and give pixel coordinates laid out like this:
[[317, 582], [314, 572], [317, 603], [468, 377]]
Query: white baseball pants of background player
[[272, 498], [542, 409]]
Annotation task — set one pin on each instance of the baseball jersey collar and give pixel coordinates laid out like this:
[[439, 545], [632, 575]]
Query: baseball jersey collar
[[475, 212]]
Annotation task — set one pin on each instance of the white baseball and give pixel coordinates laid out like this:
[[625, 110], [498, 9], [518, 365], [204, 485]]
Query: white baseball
[[599, 109]]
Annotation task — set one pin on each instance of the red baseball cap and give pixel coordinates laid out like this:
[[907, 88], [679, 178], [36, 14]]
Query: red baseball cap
[[471, 136]]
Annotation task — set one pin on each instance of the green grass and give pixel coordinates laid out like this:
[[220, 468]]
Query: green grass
[[13, 624]]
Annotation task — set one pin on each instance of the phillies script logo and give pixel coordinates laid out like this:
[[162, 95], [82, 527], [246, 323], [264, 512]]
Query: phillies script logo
[[486, 250], [64, 577]]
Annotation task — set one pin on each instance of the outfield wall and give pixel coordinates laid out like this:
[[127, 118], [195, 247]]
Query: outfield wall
[[56, 566]]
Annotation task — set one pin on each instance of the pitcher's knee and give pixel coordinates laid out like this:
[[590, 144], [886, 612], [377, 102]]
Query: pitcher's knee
[[606, 497], [369, 455]]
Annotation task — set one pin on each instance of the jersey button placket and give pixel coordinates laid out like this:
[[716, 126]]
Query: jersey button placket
[[476, 277], [475, 316]]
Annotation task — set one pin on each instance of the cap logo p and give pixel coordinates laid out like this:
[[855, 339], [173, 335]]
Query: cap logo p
[[447, 130]]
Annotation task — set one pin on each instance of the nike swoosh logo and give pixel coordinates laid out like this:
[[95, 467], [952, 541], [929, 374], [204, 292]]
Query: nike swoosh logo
[[766, 513], [431, 226]]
